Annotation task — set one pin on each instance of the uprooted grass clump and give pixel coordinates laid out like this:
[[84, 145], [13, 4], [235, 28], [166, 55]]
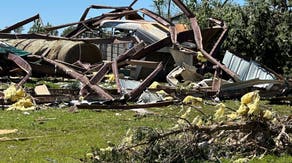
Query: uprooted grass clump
[[249, 132]]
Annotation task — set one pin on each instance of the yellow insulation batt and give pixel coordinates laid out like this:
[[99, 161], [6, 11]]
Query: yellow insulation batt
[[22, 101]]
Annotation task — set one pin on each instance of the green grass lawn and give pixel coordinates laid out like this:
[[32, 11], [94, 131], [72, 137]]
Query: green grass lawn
[[62, 136]]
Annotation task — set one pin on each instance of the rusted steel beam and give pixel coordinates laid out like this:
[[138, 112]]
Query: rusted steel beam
[[94, 68], [197, 32], [223, 67], [156, 17], [80, 28], [30, 36], [97, 77], [279, 76], [20, 62], [125, 107], [116, 74], [131, 52], [137, 91], [123, 13], [90, 29], [114, 40], [73, 23], [194, 24], [221, 37], [152, 48], [184, 8], [132, 4], [83, 17], [218, 42], [163, 21], [82, 78], [115, 14], [108, 7], [19, 24]]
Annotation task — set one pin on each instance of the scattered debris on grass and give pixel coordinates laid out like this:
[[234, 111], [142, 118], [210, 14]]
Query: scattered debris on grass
[[254, 133], [113, 68], [119, 60]]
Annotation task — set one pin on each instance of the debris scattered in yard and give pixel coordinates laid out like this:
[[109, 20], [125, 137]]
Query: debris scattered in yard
[[116, 57], [255, 132]]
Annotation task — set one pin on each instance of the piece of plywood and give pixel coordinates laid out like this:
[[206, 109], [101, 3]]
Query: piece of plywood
[[42, 90]]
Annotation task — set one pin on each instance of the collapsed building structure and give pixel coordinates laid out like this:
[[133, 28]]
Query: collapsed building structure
[[123, 42]]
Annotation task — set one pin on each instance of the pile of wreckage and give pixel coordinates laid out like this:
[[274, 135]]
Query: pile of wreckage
[[132, 53]]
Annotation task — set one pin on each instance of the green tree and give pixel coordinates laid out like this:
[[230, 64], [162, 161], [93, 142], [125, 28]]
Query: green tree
[[53, 32], [38, 27], [67, 30], [268, 30], [163, 8]]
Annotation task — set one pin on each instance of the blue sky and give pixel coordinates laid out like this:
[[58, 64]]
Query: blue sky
[[57, 12]]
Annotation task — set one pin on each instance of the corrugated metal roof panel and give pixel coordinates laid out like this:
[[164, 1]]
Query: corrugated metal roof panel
[[246, 70]]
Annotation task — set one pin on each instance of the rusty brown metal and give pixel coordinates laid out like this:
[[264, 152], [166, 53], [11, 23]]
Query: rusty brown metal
[[90, 29], [132, 4], [109, 16], [23, 64], [19, 24], [156, 17], [163, 21], [137, 91], [123, 13], [83, 17], [223, 67], [88, 40], [194, 24], [96, 78], [71, 24], [82, 78], [152, 48], [221, 37]]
